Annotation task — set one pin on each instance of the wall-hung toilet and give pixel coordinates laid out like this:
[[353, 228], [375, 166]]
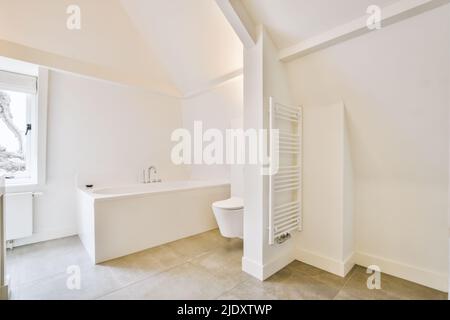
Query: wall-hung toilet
[[230, 217], [230, 213]]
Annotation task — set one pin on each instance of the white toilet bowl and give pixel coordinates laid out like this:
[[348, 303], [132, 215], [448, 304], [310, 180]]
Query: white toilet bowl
[[230, 217]]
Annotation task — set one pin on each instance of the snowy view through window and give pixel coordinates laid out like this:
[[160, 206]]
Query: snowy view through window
[[14, 114]]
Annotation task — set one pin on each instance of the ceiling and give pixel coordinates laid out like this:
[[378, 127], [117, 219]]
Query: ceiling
[[107, 37], [177, 47], [192, 39], [292, 21]]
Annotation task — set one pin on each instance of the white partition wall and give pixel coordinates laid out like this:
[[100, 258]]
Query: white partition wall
[[252, 261], [264, 77], [326, 241]]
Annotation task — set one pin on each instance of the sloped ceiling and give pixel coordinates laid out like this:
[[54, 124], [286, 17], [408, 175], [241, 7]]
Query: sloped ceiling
[[192, 38], [173, 46], [176, 47], [292, 21], [107, 37]]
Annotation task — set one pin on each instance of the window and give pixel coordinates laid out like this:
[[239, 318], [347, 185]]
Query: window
[[15, 133], [22, 146]]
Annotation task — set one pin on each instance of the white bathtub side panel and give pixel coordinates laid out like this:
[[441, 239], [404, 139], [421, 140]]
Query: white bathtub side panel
[[125, 226], [85, 221]]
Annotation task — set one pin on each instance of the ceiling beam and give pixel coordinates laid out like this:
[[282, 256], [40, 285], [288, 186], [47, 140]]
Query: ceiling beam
[[61, 63], [215, 83], [239, 20], [394, 13]]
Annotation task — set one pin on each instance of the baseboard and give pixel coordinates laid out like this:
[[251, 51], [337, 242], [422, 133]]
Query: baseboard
[[253, 268], [263, 272], [46, 236], [349, 263], [331, 265], [424, 277], [276, 265]]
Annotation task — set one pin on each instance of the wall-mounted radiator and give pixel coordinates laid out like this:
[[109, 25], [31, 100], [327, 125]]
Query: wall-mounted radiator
[[285, 198], [18, 210]]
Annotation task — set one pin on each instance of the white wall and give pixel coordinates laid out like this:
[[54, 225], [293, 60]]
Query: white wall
[[264, 77], [217, 108], [105, 131], [327, 237], [395, 84], [347, 195], [252, 261], [276, 85]]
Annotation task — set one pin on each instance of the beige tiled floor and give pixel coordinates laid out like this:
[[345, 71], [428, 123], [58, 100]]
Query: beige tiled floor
[[205, 266]]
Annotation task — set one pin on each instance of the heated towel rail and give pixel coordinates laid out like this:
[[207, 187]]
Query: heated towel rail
[[285, 199]]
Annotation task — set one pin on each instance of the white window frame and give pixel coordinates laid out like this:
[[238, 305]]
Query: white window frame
[[30, 175], [39, 143]]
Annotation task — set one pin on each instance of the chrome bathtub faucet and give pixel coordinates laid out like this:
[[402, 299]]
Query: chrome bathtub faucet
[[150, 174]]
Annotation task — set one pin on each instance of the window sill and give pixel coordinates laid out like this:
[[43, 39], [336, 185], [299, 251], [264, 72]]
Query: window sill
[[16, 187]]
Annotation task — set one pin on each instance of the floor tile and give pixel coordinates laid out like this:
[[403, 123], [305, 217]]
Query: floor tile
[[356, 286], [196, 245], [409, 290], [95, 282], [144, 264], [247, 291], [44, 259], [185, 282], [302, 287], [205, 266], [305, 269]]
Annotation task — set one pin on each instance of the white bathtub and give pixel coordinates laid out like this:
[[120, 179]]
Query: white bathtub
[[117, 221]]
